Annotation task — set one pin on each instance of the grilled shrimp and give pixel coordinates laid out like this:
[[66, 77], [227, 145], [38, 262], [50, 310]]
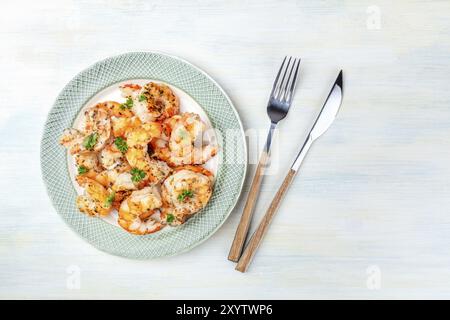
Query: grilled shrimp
[[95, 200], [116, 180], [154, 102], [137, 212], [184, 145], [119, 196], [158, 171], [137, 153], [88, 160], [137, 157], [116, 109], [97, 123], [161, 102], [72, 139], [111, 157], [95, 133], [142, 135], [123, 182], [130, 90], [155, 171], [184, 193], [122, 125]]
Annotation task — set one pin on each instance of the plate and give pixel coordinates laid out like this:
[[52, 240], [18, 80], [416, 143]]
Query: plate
[[198, 93]]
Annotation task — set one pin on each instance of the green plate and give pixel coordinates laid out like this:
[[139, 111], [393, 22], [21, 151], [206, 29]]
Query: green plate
[[222, 114]]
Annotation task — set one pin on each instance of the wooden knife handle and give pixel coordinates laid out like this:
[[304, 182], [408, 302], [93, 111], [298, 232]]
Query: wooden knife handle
[[258, 235], [244, 223]]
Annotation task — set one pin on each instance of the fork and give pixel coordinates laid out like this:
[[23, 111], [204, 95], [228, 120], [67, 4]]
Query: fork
[[277, 108]]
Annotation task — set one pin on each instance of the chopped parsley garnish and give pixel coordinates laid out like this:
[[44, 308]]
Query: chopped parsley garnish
[[137, 175], [185, 194], [82, 170], [142, 98], [90, 141], [170, 218], [121, 144], [110, 199], [127, 105]]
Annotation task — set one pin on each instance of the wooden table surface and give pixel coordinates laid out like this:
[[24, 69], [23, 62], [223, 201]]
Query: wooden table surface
[[368, 216]]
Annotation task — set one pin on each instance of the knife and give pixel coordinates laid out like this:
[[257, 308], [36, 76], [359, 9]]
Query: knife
[[324, 120]]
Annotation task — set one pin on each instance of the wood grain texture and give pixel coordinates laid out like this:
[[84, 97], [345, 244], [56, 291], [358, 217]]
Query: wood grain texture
[[263, 227], [249, 207], [371, 201]]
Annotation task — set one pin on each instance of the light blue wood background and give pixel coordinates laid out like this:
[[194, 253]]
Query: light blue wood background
[[367, 217]]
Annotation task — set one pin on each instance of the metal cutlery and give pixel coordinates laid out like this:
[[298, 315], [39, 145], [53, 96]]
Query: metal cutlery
[[322, 123], [277, 108]]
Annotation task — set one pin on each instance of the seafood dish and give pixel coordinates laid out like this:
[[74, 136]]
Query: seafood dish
[[141, 159]]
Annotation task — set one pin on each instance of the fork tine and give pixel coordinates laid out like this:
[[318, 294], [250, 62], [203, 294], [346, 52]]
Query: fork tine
[[278, 76], [288, 83], [281, 89], [290, 93]]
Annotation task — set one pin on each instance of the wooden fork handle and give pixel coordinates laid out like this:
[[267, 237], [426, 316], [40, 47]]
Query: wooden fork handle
[[258, 235], [244, 223]]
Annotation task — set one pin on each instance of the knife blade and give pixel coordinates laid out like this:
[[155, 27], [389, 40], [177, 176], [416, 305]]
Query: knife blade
[[324, 119]]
